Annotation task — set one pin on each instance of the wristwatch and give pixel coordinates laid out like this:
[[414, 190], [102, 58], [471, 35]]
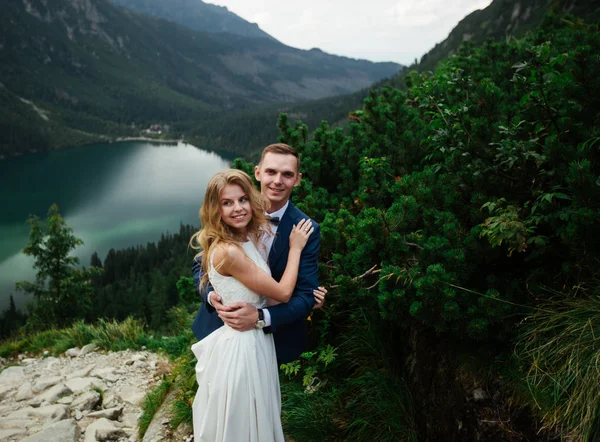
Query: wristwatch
[[261, 319]]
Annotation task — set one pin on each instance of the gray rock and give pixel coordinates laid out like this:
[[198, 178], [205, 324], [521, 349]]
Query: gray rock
[[29, 425], [139, 364], [45, 382], [79, 385], [51, 362], [52, 413], [82, 373], [12, 375], [130, 420], [20, 414], [111, 400], [73, 352], [11, 433], [7, 390], [106, 374], [67, 400], [134, 358], [109, 413], [86, 401], [131, 394], [103, 429], [63, 431], [87, 349], [24, 392], [52, 395]]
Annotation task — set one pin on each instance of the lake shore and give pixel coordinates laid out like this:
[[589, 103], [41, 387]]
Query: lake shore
[[151, 140]]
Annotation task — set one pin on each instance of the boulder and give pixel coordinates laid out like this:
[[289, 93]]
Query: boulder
[[87, 349], [25, 392], [73, 352], [81, 373], [7, 390], [86, 401], [106, 374], [140, 364], [134, 358], [103, 429], [52, 395], [131, 394], [13, 375], [53, 413], [63, 431], [79, 385], [12, 434], [45, 382], [112, 414]]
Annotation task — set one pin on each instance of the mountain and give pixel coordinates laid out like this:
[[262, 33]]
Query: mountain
[[196, 15], [504, 19], [92, 68], [501, 19]]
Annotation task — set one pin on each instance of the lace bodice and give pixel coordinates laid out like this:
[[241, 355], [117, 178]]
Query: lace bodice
[[230, 289]]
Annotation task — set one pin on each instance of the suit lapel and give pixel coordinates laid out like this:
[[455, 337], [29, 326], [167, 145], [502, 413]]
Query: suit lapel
[[281, 242]]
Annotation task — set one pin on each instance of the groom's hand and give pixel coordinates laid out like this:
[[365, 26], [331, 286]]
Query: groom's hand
[[242, 317], [217, 303]]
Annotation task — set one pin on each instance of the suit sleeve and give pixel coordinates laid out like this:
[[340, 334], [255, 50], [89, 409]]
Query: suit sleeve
[[302, 300], [198, 272]]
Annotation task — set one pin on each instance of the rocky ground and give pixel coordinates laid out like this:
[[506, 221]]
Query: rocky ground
[[85, 395]]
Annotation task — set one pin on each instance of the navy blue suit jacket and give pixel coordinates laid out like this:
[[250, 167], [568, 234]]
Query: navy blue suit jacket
[[288, 323]]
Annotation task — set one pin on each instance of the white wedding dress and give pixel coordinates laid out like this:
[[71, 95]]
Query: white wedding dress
[[238, 396]]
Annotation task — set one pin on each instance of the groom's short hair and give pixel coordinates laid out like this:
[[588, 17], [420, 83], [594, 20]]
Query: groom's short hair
[[280, 148]]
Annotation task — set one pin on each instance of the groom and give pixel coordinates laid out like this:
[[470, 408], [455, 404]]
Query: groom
[[278, 174]]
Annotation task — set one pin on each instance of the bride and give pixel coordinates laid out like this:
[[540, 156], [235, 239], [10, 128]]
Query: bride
[[238, 397]]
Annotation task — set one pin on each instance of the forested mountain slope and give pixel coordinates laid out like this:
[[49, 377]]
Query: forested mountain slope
[[98, 68], [196, 15], [504, 19]]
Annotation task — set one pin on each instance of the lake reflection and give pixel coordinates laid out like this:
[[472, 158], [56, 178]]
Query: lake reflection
[[112, 195]]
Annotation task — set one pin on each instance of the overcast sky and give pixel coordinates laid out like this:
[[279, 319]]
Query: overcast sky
[[377, 30]]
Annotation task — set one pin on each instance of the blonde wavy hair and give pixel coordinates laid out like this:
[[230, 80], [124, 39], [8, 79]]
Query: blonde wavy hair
[[214, 231]]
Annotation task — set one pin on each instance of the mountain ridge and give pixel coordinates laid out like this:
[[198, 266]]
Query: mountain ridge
[[196, 15], [98, 68]]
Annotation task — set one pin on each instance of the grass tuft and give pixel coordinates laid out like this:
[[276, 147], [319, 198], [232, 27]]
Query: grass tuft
[[108, 335], [560, 349], [151, 404]]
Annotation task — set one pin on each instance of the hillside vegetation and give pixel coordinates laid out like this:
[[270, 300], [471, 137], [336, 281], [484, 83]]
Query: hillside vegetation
[[462, 251]]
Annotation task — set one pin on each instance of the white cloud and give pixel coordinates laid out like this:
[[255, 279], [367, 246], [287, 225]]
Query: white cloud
[[378, 30]]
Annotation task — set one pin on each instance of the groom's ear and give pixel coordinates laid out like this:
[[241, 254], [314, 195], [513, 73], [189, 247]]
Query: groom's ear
[[257, 173], [298, 179]]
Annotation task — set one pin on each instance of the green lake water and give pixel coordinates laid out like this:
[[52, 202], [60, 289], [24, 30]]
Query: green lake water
[[112, 195]]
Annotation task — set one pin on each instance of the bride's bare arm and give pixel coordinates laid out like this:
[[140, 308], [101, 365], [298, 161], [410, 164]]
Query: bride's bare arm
[[232, 261]]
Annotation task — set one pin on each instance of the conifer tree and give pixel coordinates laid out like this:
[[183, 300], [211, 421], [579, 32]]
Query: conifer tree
[[62, 291]]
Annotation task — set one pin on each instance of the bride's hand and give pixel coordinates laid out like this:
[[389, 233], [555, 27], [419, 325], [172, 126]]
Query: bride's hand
[[319, 294], [300, 234]]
